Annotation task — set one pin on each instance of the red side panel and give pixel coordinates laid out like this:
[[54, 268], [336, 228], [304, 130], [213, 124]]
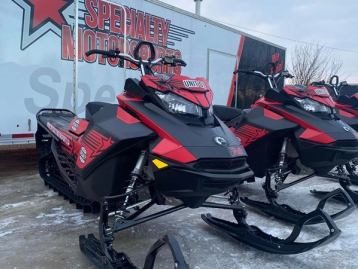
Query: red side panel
[[316, 136], [265, 103], [345, 113], [248, 133], [125, 116], [235, 77], [169, 147], [347, 108], [173, 151], [272, 115]]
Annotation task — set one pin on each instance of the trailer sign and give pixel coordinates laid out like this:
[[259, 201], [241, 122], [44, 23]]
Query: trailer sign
[[37, 61], [101, 27]]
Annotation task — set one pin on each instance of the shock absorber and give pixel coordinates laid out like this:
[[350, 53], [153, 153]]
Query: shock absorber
[[282, 159], [136, 172]]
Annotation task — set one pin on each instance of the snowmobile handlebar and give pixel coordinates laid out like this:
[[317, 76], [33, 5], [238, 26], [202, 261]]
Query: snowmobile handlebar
[[142, 64], [118, 54], [272, 79], [333, 83], [284, 73]]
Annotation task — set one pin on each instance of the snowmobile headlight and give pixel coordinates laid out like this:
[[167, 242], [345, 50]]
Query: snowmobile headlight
[[179, 105], [312, 106]]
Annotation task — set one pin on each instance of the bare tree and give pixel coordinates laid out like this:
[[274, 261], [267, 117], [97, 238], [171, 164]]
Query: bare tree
[[313, 63]]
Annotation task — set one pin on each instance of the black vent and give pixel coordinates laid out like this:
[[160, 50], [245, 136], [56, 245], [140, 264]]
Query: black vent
[[346, 143], [220, 164]]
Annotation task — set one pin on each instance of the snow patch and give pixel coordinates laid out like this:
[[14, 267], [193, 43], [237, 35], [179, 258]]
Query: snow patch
[[6, 222], [59, 216], [48, 193], [14, 205], [5, 233]]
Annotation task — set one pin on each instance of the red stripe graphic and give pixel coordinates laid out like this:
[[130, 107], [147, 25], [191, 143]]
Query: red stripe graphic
[[235, 77]]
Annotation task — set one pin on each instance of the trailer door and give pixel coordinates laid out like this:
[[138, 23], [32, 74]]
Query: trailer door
[[219, 74]]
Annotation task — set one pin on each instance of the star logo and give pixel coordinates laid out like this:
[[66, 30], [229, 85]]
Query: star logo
[[41, 17]]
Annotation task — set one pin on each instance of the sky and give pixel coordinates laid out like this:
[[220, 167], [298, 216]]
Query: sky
[[331, 23]]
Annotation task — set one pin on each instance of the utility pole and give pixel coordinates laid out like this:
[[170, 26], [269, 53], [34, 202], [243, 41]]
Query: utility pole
[[198, 7]]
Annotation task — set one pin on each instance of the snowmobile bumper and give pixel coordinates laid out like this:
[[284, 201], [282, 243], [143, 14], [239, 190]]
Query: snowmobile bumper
[[256, 238]]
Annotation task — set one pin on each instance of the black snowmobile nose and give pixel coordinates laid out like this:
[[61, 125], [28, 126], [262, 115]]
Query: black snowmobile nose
[[193, 184]]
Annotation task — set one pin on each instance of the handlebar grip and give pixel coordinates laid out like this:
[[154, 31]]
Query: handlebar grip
[[244, 71], [140, 45], [179, 62], [110, 53]]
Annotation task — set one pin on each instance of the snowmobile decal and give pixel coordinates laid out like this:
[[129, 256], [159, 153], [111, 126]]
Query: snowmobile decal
[[248, 133], [59, 134], [93, 144], [200, 95], [78, 126]]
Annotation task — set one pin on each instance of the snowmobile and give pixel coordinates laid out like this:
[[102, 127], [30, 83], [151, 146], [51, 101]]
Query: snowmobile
[[347, 110], [289, 130], [161, 144]]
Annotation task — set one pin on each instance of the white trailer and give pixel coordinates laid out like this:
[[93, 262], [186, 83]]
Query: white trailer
[[41, 66]]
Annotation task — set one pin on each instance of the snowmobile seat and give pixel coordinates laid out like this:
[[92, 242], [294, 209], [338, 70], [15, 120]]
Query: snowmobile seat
[[93, 107], [225, 113]]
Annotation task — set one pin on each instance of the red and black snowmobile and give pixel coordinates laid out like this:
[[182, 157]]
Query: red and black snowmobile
[[290, 130], [161, 144], [347, 110]]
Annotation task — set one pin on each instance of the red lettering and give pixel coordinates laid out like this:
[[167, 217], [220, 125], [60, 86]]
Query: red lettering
[[91, 18], [164, 31], [67, 48], [148, 28], [156, 21], [133, 24], [89, 38], [115, 18], [103, 14], [140, 33]]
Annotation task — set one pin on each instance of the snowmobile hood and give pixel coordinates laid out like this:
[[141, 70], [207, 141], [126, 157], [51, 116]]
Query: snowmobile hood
[[317, 93], [195, 90]]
